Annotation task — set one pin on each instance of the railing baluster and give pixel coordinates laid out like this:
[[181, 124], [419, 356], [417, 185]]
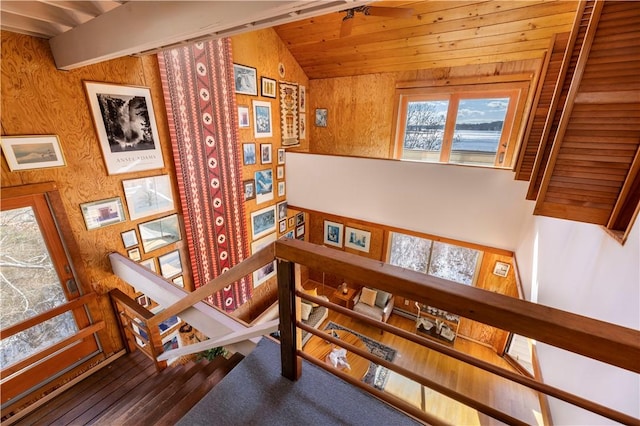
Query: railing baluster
[[291, 363]]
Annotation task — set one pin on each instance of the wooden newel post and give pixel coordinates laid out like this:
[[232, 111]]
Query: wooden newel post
[[291, 363]]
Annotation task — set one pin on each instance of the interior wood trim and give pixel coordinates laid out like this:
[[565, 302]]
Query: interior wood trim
[[463, 81], [31, 189], [615, 97]]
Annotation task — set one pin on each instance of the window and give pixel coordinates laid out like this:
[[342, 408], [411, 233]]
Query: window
[[435, 258], [461, 124]]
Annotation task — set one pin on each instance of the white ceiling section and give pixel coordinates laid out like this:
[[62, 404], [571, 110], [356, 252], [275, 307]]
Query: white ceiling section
[[87, 32]]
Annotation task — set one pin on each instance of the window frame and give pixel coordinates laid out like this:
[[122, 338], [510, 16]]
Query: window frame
[[516, 88]]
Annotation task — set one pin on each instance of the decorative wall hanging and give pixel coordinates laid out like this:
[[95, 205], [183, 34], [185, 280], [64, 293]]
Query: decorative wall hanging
[[289, 113], [126, 127], [246, 80], [268, 88], [262, 124], [32, 152]]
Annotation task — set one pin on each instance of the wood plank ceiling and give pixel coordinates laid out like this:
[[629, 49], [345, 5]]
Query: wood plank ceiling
[[437, 34]]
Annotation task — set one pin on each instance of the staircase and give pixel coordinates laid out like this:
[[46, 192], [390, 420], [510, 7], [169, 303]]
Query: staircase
[[130, 391]]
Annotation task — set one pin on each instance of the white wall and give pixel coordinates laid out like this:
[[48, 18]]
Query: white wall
[[579, 268], [474, 204]]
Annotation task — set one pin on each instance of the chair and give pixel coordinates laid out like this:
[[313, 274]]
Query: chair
[[376, 304]]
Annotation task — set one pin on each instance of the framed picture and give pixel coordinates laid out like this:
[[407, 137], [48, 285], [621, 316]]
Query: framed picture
[[289, 234], [321, 117], [265, 153], [289, 113], [303, 126], [333, 233], [357, 239], [32, 152], [292, 222], [243, 116], [249, 189], [268, 270], [501, 269], [262, 126], [268, 87], [159, 232], [281, 157], [300, 231], [134, 254], [170, 264], [299, 219], [143, 301], [264, 185], [282, 226], [129, 238], [126, 127], [148, 196], [282, 210], [246, 79], [303, 98], [263, 222], [150, 264], [280, 172], [179, 281], [98, 214], [281, 191], [248, 154]]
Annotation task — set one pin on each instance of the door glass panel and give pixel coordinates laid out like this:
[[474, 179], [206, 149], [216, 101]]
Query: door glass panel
[[29, 285], [424, 130]]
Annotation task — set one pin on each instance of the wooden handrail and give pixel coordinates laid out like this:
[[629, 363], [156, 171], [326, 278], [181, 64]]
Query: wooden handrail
[[61, 309], [603, 341], [131, 304]]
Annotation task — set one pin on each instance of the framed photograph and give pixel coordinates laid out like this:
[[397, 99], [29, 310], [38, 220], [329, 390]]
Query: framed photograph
[[32, 152], [264, 185], [143, 301], [126, 127], [282, 210], [303, 98], [333, 233], [129, 238], [249, 189], [243, 116], [268, 87], [501, 269], [357, 239], [280, 172], [303, 126], [321, 117], [170, 264], [98, 214], [148, 196], [299, 219], [262, 126], [263, 222], [289, 113], [134, 254], [268, 270], [179, 281], [290, 234], [265, 153], [159, 232], [248, 154], [150, 264], [292, 221], [282, 226], [246, 79], [281, 157], [300, 231], [281, 191]]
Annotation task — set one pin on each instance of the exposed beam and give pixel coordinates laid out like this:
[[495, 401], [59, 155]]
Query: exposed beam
[[32, 27], [41, 12], [137, 27]]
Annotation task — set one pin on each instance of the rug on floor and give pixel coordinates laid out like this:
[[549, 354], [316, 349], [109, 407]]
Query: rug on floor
[[377, 375]]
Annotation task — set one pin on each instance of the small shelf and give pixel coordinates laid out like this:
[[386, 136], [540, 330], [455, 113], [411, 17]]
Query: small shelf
[[437, 324]]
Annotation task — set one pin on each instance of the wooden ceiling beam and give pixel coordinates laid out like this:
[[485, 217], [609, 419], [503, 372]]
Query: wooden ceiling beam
[[41, 12], [32, 27]]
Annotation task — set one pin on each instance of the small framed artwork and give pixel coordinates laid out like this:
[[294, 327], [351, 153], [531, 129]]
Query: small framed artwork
[[262, 126], [282, 226], [264, 185], [265, 153], [282, 210], [129, 238], [280, 172], [290, 234], [134, 254], [268, 87], [98, 214], [263, 222], [321, 117], [333, 233], [501, 269], [299, 219], [300, 231], [303, 126], [126, 127], [170, 264], [150, 264], [143, 301], [303, 98], [159, 232], [281, 157], [148, 196], [179, 281], [243, 116], [32, 152], [249, 189], [292, 221], [357, 239], [269, 270], [248, 154], [281, 189], [246, 79]]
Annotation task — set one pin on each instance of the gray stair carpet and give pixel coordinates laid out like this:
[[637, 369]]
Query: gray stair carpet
[[255, 393]]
